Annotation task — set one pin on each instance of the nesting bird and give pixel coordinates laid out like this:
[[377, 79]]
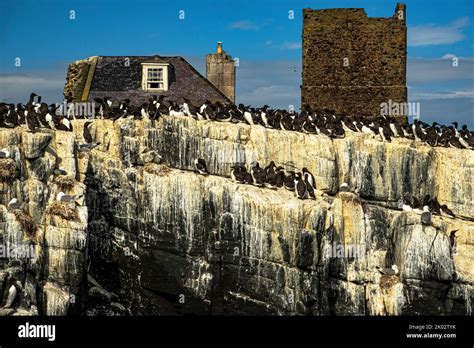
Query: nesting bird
[[201, 167], [4, 153], [389, 271]]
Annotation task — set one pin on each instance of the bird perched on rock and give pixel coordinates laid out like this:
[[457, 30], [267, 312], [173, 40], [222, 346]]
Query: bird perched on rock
[[62, 197], [60, 171], [280, 176], [201, 167], [309, 176], [452, 241], [300, 187], [86, 134], [13, 204], [309, 188], [289, 182], [237, 173], [4, 153], [389, 271], [189, 109], [344, 187], [258, 174], [406, 206], [446, 212], [271, 175], [12, 292]]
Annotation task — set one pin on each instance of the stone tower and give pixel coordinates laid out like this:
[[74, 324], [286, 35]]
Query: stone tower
[[220, 70], [353, 63]]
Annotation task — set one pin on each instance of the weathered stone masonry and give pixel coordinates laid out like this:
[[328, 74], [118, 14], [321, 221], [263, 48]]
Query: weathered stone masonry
[[353, 63]]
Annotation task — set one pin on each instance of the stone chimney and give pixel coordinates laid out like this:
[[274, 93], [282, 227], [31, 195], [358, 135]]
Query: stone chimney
[[220, 70]]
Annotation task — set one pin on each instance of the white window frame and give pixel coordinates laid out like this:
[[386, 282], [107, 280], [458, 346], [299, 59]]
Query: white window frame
[[146, 67]]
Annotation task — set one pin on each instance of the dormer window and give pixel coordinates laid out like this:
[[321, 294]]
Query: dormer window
[[155, 76]]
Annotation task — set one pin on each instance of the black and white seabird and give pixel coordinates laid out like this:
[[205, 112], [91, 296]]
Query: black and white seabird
[[175, 109], [426, 216], [189, 109], [406, 205], [300, 187], [237, 173], [201, 167], [389, 271], [86, 132], [309, 188], [289, 181], [248, 116], [416, 205], [344, 187], [11, 293], [271, 175], [31, 119], [452, 241], [258, 174], [309, 176], [60, 171], [446, 212], [280, 176], [264, 115], [14, 204]]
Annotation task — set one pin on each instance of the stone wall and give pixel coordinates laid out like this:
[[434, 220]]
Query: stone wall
[[77, 78], [220, 71], [353, 63]]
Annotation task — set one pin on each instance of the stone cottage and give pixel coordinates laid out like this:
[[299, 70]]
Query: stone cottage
[[139, 77]]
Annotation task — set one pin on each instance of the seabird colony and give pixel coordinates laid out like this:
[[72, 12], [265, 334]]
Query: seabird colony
[[37, 114], [327, 123]]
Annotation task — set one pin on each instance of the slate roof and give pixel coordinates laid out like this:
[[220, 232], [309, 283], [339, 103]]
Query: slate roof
[[114, 79]]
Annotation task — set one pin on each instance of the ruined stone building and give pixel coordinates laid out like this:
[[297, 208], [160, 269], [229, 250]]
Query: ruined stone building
[[353, 63], [139, 77]]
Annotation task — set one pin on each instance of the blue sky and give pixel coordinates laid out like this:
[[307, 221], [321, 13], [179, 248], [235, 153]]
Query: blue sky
[[259, 33]]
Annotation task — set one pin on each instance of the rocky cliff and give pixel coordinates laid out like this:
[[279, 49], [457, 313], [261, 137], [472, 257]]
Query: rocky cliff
[[153, 237]]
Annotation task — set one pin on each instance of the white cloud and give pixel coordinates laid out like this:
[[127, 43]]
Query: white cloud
[[421, 95], [37, 81], [244, 25], [430, 34], [448, 56], [290, 45]]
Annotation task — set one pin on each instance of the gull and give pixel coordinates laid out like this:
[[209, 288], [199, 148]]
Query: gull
[[389, 271]]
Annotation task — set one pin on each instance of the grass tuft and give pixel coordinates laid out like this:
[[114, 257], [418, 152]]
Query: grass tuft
[[8, 170], [26, 222], [387, 282], [64, 182]]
